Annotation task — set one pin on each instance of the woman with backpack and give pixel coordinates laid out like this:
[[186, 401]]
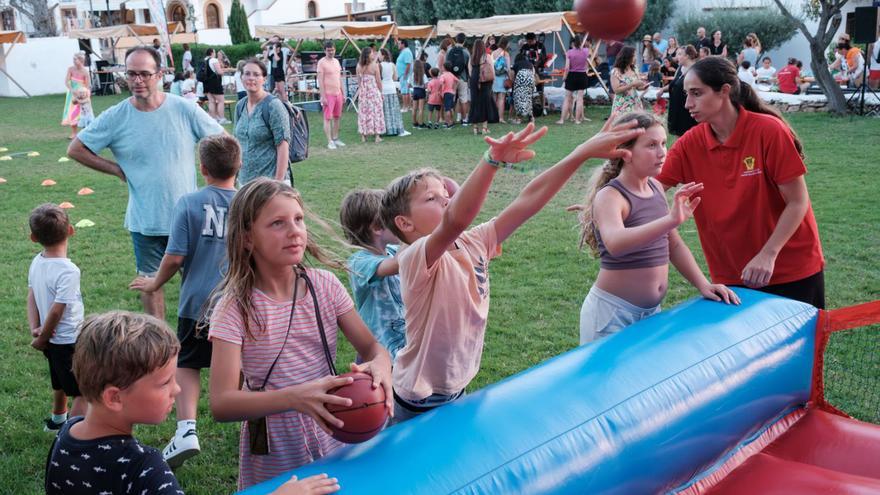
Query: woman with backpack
[[503, 76], [575, 76], [262, 127], [482, 75]]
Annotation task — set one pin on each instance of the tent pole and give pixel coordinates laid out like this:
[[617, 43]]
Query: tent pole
[[13, 80], [356, 47], [425, 44], [388, 35], [344, 46]]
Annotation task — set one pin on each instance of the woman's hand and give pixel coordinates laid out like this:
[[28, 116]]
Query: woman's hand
[[380, 370], [719, 292], [513, 148], [682, 205], [758, 271], [312, 398]]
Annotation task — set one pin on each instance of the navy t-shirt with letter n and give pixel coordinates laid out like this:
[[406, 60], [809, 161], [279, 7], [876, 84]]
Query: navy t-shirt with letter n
[[198, 233], [114, 465]]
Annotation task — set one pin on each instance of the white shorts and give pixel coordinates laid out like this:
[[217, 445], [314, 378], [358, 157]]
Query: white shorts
[[604, 314]]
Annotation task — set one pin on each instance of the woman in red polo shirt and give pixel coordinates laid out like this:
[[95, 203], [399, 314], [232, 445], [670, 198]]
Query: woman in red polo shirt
[[756, 223]]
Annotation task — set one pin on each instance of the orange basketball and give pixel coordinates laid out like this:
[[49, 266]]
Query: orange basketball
[[365, 416], [610, 19]]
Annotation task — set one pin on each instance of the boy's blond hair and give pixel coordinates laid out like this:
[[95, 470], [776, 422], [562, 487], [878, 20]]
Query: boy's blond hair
[[398, 194], [118, 348], [49, 224]]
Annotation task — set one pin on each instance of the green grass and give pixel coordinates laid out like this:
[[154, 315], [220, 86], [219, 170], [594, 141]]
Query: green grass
[[538, 284]]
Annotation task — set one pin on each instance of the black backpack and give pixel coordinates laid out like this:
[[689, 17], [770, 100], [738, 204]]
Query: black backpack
[[202, 72], [456, 57], [298, 145]]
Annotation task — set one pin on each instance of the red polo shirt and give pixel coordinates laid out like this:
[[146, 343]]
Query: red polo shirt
[[741, 202]]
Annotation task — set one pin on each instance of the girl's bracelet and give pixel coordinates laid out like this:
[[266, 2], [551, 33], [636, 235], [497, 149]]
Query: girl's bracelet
[[487, 157]]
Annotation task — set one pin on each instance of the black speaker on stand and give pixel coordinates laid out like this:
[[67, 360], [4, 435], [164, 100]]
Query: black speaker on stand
[[865, 32]]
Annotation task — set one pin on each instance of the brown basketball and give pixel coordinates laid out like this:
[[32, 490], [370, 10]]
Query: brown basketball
[[365, 416], [610, 19]]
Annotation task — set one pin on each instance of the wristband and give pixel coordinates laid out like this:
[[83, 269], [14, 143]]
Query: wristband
[[487, 157]]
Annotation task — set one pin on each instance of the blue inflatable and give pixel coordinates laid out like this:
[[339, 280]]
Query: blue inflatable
[[644, 411]]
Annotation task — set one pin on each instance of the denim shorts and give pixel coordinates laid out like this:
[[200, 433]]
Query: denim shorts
[[148, 252], [603, 314]]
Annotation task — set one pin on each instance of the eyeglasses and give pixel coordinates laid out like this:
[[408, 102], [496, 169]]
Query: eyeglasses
[[143, 76]]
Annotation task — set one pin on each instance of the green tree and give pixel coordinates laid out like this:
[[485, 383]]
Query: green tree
[[530, 6], [463, 9], [413, 12], [772, 28], [656, 15], [238, 25]]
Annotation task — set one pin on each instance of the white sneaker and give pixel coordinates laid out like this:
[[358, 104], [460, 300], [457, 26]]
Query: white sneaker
[[338, 143], [331, 145], [224, 121], [181, 448], [404, 133]]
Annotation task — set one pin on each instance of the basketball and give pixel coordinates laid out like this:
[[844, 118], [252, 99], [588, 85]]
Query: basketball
[[610, 19], [365, 416]]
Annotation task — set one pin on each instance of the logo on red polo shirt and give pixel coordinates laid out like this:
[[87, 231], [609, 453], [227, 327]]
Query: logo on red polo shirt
[[749, 163]]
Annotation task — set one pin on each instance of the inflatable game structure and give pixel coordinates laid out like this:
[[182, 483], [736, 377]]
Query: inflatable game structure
[[703, 398]]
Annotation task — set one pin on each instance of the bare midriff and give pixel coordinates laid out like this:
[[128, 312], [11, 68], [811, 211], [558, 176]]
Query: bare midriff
[[642, 287]]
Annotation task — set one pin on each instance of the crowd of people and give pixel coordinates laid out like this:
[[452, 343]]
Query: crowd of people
[[250, 306]]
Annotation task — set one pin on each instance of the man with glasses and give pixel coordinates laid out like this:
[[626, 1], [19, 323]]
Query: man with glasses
[[152, 136]]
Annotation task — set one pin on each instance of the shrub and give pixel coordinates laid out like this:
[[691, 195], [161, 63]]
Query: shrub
[[769, 24], [243, 51]]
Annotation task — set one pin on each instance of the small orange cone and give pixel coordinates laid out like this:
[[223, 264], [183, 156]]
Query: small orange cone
[[48, 182], [66, 205], [85, 191]]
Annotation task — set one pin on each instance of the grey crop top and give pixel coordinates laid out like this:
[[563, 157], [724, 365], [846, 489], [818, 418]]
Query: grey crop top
[[641, 211]]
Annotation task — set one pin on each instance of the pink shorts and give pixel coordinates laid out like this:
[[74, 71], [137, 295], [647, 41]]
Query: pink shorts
[[332, 106]]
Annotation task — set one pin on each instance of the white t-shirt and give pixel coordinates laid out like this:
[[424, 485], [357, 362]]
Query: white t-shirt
[[56, 280], [765, 75], [875, 52], [239, 85], [188, 86], [746, 76], [187, 60]]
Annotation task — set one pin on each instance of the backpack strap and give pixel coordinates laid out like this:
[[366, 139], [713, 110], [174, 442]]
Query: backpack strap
[[239, 108]]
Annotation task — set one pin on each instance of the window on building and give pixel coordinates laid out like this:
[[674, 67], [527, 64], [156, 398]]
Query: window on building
[[313, 9], [212, 16], [8, 18]]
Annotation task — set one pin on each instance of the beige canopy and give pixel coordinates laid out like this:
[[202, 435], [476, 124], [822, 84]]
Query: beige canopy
[[510, 25], [414, 32], [332, 30], [122, 30], [12, 37]]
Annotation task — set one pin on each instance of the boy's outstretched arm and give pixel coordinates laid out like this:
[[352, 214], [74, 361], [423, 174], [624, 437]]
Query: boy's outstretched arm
[[468, 200], [542, 188]]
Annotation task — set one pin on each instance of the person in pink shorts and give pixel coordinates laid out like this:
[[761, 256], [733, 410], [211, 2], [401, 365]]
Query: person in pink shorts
[[332, 97]]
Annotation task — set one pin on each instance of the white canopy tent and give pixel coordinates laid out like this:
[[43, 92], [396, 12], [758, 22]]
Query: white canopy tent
[[12, 37], [513, 25]]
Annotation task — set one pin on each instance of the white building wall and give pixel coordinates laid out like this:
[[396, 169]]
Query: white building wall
[[39, 65]]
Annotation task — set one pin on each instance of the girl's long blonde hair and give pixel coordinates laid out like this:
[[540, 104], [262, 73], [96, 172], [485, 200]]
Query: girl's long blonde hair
[[603, 175], [238, 281]]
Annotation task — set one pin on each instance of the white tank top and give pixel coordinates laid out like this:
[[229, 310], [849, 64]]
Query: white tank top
[[388, 86]]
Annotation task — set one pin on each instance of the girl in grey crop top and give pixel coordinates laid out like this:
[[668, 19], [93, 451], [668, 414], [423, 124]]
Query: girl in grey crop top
[[628, 224]]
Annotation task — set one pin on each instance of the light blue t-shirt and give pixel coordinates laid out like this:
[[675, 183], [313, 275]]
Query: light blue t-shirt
[[198, 233], [661, 47], [404, 58], [377, 299], [157, 153]]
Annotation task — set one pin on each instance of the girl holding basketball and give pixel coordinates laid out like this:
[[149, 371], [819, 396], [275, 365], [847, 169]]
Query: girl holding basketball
[[275, 326], [627, 222]]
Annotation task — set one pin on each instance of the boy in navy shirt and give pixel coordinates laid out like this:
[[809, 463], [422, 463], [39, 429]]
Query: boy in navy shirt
[[197, 248]]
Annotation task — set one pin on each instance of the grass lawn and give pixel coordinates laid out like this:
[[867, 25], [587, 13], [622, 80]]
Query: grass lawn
[[538, 284]]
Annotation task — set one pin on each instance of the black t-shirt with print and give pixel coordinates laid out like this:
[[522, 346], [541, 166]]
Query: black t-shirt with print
[[114, 465]]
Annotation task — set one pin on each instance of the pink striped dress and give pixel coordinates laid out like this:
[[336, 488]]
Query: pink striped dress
[[294, 438]]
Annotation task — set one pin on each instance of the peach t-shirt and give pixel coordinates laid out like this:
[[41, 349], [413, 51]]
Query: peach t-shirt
[[330, 75], [446, 310]]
